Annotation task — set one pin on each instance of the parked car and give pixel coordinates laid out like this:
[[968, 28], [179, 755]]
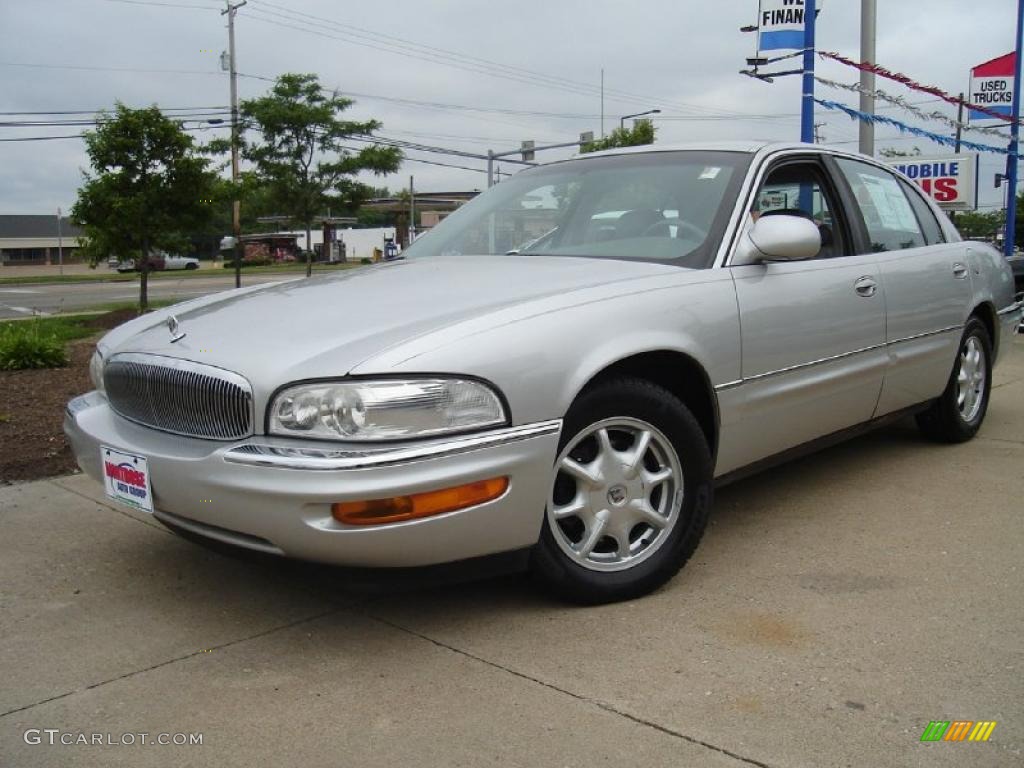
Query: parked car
[[1017, 265], [156, 263], [568, 380], [180, 262]]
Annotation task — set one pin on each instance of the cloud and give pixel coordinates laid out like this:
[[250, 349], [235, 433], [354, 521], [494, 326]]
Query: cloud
[[682, 57]]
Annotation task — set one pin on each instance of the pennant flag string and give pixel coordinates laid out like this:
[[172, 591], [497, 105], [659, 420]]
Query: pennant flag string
[[899, 77], [899, 101], [938, 138]]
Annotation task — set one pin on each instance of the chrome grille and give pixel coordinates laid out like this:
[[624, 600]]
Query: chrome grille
[[179, 396]]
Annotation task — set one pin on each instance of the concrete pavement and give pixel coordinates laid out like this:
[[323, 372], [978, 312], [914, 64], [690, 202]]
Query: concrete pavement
[[835, 607], [55, 298]]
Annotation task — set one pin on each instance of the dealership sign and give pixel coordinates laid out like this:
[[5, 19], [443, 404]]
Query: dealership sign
[[780, 24], [950, 180], [992, 87]]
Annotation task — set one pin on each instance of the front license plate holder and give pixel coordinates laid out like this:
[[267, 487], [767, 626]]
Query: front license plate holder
[[126, 478]]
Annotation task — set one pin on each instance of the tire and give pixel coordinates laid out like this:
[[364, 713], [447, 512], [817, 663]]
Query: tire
[[948, 420], [190, 265], [633, 532]]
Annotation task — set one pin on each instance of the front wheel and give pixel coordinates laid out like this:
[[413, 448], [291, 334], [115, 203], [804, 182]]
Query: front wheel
[[630, 494], [957, 415]]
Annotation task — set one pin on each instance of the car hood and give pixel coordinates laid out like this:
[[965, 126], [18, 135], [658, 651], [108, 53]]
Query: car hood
[[325, 326]]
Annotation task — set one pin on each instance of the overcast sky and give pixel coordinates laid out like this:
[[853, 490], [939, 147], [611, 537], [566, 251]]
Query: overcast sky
[[681, 56]]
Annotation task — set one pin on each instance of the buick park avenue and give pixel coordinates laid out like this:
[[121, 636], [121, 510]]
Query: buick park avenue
[[564, 368]]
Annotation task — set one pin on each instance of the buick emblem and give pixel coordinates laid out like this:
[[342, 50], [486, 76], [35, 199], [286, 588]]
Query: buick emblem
[[172, 326], [617, 495]]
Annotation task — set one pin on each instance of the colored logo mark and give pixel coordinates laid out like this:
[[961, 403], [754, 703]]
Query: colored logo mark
[[958, 730]]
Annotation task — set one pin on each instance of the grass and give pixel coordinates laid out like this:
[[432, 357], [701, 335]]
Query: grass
[[103, 275], [117, 306]]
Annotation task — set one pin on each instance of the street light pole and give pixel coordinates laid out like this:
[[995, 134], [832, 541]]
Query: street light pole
[[624, 118], [868, 16], [60, 244], [1012, 159], [236, 205]]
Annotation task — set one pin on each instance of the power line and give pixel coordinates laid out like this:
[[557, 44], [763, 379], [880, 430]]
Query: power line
[[82, 135], [184, 117], [164, 5], [389, 43], [92, 68], [98, 111]]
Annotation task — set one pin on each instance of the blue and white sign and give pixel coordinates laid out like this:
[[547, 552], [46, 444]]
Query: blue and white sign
[[950, 180], [780, 24]]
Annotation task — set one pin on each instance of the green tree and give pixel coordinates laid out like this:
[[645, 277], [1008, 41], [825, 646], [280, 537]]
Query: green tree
[[642, 132], [980, 224], [148, 188], [301, 158]]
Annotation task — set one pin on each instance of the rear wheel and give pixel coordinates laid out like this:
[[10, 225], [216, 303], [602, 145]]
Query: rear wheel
[[191, 265], [630, 494], [957, 415]]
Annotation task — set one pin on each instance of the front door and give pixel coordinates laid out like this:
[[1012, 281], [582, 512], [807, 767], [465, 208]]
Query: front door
[[813, 331]]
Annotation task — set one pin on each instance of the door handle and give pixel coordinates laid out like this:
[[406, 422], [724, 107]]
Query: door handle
[[865, 287], [959, 270]]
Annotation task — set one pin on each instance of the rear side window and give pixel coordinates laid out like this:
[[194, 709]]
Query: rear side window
[[888, 216], [929, 224]]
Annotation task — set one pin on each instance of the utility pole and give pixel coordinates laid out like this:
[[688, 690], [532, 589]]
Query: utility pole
[[959, 123], [602, 102], [1009, 240], [807, 102], [236, 205], [412, 211], [818, 138], [868, 17], [60, 244]]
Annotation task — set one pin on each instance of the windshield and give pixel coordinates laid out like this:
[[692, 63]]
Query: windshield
[[656, 206]]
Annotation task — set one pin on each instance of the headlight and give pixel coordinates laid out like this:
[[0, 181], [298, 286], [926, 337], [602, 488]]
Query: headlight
[[96, 369], [384, 409]]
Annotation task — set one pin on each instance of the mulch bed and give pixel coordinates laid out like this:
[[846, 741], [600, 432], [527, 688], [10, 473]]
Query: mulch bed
[[32, 443]]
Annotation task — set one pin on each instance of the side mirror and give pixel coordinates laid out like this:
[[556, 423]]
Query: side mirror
[[779, 238]]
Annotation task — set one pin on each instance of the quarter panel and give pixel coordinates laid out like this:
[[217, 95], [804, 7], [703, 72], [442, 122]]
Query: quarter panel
[[926, 306]]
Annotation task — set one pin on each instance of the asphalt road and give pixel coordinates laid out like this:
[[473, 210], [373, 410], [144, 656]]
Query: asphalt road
[[836, 606], [54, 298]]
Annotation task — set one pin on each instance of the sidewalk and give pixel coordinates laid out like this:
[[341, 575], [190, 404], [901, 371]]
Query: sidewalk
[[835, 607]]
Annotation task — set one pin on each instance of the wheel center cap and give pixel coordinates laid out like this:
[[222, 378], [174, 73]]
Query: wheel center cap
[[617, 495]]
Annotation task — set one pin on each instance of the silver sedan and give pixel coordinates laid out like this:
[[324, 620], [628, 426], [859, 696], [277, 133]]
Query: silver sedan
[[565, 367]]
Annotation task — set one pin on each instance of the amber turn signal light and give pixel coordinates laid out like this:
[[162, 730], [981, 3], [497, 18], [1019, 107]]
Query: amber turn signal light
[[417, 505]]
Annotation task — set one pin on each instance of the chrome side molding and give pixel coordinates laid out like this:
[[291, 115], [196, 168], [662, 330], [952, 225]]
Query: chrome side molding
[[350, 456]]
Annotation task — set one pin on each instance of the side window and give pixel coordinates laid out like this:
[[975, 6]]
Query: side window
[[929, 224], [888, 215], [797, 189]]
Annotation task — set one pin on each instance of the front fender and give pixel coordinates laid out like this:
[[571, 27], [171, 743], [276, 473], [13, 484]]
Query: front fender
[[543, 356]]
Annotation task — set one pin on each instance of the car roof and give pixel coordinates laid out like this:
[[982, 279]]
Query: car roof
[[750, 147]]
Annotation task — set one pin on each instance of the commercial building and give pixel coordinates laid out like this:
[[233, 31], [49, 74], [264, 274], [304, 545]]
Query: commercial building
[[29, 239]]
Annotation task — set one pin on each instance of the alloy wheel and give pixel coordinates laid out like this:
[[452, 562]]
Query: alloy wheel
[[970, 379], [617, 494]]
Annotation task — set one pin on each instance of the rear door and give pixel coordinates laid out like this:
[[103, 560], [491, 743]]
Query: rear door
[[926, 283], [813, 331]]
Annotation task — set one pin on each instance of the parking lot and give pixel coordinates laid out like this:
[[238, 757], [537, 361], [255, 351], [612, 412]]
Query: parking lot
[[836, 606]]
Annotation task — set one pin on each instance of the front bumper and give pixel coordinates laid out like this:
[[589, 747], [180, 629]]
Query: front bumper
[[274, 495]]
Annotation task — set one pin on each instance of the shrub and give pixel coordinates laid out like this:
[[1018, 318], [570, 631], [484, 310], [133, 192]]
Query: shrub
[[365, 260], [26, 344]]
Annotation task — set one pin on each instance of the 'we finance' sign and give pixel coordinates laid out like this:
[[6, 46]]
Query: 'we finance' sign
[[780, 24]]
